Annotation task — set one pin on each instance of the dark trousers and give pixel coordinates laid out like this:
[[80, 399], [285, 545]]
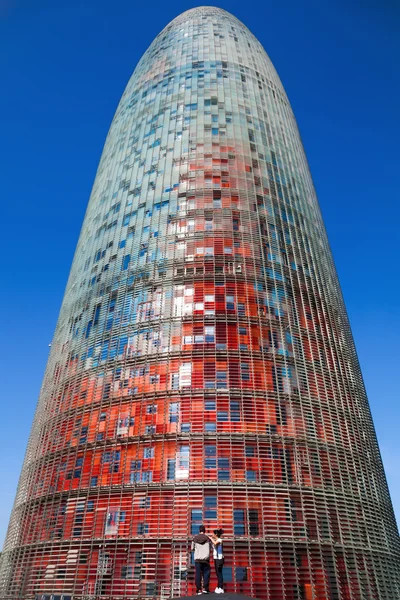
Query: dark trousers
[[219, 563], [202, 571]]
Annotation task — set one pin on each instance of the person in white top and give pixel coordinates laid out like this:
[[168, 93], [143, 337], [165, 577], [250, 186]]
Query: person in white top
[[218, 555]]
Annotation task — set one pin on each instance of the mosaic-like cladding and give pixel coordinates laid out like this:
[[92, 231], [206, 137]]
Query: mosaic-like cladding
[[203, 369]]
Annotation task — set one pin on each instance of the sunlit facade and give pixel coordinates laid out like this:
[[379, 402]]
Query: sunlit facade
[[203, 369]]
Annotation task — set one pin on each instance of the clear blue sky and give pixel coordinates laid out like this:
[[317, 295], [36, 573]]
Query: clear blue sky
[[63, 68]]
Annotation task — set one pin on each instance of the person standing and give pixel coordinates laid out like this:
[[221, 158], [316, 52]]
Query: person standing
[[218, 555], [201, 545]]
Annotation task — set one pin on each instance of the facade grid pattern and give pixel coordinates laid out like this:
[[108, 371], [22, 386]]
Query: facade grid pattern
[[203, 368]]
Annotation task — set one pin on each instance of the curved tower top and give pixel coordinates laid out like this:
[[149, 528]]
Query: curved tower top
[[203, 369]]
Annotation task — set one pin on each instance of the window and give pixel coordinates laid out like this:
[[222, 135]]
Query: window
[[222, 415], [151, 409], [281, 414], [113, 459], [144, 502], [273, 339], [210, 514], [151, 588], [209, 405], [241, 573], [185, 427], [253, 522], [197, 520], [250, 451], [245, 372], [209, 332], [277, 379], [271, 429], [227, 574], [171, 467], [147, 476], [174, 412], [111, 456], [210, 463], [210, 501], [78, 520], [142, 528], [126, 572], [180, 573], [314, 461], [230, 303], [148, 452], [290, 510], [221, 379], [238, 522], [140, 557], [150, 429], [251, 475], [125, 262], [113, 518], [134, 477], [210, 426], [93, 481]]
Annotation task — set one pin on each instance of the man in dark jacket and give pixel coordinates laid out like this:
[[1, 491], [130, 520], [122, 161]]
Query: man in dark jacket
[[201, 545]]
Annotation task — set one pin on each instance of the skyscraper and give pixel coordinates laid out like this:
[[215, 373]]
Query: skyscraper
[[203, 369]]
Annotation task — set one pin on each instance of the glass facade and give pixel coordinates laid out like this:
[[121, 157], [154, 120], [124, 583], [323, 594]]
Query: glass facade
[[203, 368]]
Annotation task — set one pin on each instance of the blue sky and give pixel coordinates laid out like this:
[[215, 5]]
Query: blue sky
[[63, 68]]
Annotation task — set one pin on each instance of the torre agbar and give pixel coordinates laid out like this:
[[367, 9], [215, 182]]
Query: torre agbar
[[203, 369]]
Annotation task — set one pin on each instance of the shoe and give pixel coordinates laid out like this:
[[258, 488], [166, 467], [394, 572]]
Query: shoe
[[199, 593], [218, 590], [206, 591]]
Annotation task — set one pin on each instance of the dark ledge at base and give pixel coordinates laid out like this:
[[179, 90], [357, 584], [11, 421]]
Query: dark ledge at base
[[226, 596]]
